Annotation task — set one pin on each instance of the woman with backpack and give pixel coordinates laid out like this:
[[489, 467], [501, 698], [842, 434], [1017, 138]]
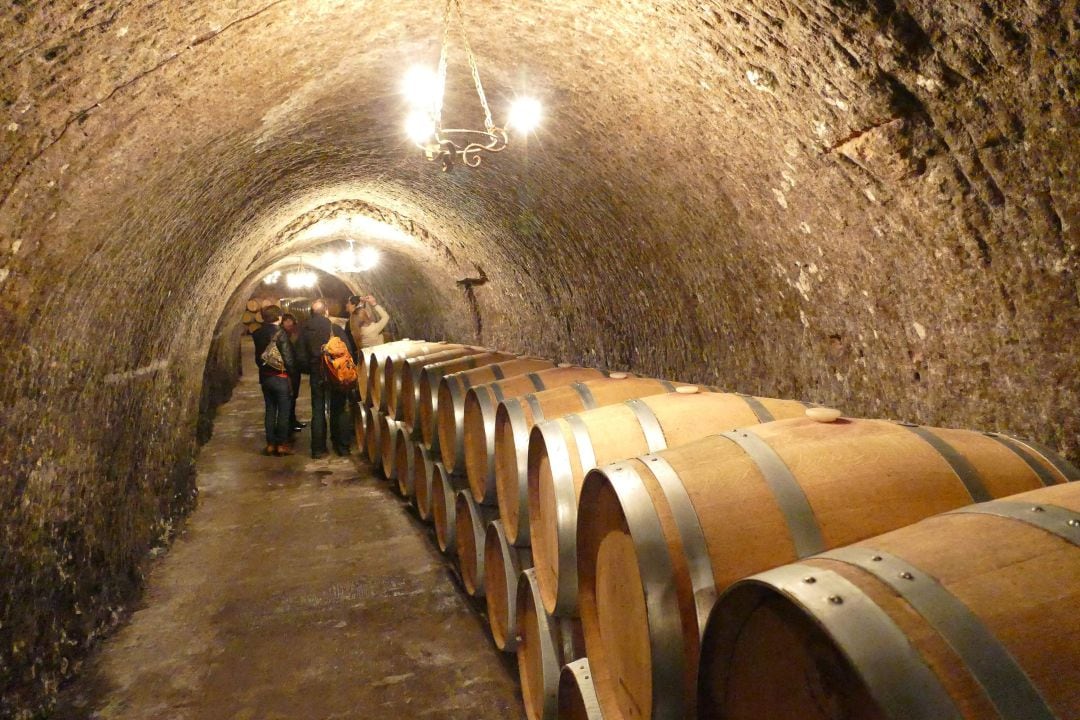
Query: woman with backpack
[[277, 363]]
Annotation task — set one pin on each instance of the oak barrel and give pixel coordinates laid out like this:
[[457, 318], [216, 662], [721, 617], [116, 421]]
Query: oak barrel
[[503, 565], [371, 356], [396, 351], [971, 614], [425, 470], [481, 404], [252, 305], [452, 391], [432, 375], [666, 531], [472, 520], [577, 696], [396, 370], [514, 421], [405, 450], [562, 451], [389, 434], [373, 441], [444, 489], [546, 644]]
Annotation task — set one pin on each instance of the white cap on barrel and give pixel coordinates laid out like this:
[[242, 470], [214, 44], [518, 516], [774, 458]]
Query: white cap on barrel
[[823, 414], [687, 389], [564, 365], [618, 376]]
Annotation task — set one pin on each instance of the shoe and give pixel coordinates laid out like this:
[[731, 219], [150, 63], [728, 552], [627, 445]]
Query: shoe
[[318, 455], [283, 450], [270, 450]]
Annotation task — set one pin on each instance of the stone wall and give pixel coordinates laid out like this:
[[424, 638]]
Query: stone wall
[[867, 203]]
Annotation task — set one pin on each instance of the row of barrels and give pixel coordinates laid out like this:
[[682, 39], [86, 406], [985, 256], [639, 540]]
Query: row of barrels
[[654, 549]]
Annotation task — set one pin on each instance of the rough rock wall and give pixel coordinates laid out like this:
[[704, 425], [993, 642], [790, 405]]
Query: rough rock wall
[[870, 203]]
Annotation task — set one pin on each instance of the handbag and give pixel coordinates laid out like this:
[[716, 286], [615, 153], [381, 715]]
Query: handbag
[[271, 356]]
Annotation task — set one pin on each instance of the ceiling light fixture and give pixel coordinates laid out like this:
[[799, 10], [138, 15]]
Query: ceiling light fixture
[[300, 279], [425, 89]]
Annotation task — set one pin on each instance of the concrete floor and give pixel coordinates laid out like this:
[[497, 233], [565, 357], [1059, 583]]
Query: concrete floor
[[299, 590]]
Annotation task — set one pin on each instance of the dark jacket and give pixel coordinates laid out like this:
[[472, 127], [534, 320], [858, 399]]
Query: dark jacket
[[263, 337], [314, 333]]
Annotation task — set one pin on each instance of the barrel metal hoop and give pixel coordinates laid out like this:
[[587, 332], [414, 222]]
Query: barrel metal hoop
[[548, 647], [585, 394], [581, 676], [584, 442], [1069, 471], [1053, 519], [1045, 476], [535, 408], [537, 381], [760, 411], [691, 535], [497, 392], [497, 371], [666, 648], [516, 414], [1004, 682], [650, 424], [960, 465], [667, 385], [566, 510], [896, 676], [798, 514]]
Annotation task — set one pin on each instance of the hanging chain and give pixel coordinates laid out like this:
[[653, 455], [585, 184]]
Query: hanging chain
[[454, 6]]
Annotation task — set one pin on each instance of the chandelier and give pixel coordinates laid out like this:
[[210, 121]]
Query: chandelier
[[425, 90], [350, 259], [300, 279]]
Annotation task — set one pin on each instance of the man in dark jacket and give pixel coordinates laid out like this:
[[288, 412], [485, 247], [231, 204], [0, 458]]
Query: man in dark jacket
[[276, 386], [315, 333]]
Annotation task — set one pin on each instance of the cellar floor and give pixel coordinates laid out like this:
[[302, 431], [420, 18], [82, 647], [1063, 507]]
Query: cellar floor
[[300, 590]]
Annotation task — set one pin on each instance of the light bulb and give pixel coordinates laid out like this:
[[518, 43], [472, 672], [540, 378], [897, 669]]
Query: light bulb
[[525, 114], [421, 87], [420, 127]]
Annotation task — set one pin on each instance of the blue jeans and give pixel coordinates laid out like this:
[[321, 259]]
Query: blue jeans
[[277, 393], [325, 397]]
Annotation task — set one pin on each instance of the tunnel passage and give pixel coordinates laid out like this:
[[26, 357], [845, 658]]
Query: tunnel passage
[[866, 203]]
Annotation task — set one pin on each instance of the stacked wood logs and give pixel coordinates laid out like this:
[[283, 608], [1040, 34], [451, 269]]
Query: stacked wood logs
[[655, 549]]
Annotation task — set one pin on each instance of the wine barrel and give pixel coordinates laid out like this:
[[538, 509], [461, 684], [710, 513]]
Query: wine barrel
[[547, 643], [562, 451], [481, 404], [472, 521], [408, 395], [388, 438], [258, 317], [363, 366], [375, 364], [514, 421], [247, 318], [503, 564], [405, 462], [444, 489], [373, 441], [252, 305], [395, 369], [452, 392], [252, 327], [266, 303], [666, 531], [425, 471], [430, 378], [577, 696], [970, 614], [361, 421]]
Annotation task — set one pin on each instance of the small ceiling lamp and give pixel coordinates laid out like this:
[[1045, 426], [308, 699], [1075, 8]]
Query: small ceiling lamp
[[272, 278], [425, 89], [350, 260], [300, 279]]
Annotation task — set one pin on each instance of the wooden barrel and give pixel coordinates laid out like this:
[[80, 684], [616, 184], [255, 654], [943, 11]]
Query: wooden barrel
[[452, 392], [425, 471], [408, 396], [252, 327], [444, 489], [503, 564], [562, 451], [259, 317], [248, 317], [430, 378], [388, 438], [514, 421], [373, 355], [405, 462], [265, 303], [373, 441], [547, 643], [577, 696], [252, 305], [396, 369], [481, 404], [362, 420], [666, 531], [393, 350], [970, 614], [472, 520]]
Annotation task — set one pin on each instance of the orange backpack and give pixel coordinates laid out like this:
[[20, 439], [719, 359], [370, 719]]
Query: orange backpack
[[340, 370]]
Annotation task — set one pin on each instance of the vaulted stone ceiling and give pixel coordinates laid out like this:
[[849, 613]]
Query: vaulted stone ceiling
[[866, 203]]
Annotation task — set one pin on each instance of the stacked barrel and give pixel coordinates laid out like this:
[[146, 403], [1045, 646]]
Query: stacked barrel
[[655, 549]]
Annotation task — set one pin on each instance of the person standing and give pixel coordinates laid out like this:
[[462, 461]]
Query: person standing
[[275, 382], [368, 330], [292, 329], [324, 396]]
